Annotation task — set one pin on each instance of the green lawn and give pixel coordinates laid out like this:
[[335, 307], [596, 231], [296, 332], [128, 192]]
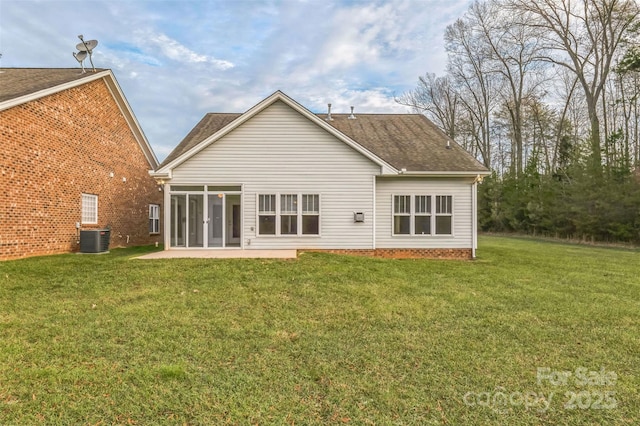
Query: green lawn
[[324, 339]]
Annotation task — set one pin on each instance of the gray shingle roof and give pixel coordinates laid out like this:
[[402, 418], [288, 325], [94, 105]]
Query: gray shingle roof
[[17, 82], [406, 141]]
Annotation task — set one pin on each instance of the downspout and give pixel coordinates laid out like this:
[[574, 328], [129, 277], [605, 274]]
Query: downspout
[[374, 213], [474, 218]]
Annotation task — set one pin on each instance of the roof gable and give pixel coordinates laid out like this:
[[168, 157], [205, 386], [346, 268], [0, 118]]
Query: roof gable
[[218, 125], [22, 85], [399, 143]]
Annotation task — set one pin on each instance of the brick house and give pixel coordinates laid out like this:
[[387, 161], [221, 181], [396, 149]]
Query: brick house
[[72, 156]]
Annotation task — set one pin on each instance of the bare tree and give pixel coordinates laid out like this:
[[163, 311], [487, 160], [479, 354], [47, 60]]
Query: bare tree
[[583, 37], [468, 67], [514, 51], [437, 97]]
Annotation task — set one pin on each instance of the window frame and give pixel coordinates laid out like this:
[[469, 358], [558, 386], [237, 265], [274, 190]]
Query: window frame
[[84, 208], [273, 200], [281, 213], [436, 214], [401, 211], [154, 219], [305, 212], [430, 212]]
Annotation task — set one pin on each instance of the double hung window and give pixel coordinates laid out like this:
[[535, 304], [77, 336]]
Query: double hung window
[[288, 214], [154, 218], [415, 215]]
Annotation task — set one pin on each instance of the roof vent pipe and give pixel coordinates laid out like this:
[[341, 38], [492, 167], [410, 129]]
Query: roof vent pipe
[[448, 144], [329, 113], [352, 117]]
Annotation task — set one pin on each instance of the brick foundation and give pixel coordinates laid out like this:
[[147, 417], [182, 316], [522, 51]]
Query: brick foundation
[[55, 148], [417, 253]]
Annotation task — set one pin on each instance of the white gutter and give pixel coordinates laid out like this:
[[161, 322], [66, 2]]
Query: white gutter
[[474, 174]]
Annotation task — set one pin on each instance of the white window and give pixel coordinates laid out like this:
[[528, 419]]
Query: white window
[[89, 209], [311, 214], [443, 214], [267, 215], [154, 219], [402, 214], [422, 216], [414, 215], [288, 214]]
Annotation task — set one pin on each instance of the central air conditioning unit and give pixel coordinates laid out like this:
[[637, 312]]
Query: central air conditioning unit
[[94, 240]]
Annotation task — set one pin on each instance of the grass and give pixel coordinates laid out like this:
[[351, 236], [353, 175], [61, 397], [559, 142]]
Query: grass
[[324, 339]]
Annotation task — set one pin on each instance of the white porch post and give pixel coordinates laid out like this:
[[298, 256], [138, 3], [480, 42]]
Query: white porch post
[[167, 216]]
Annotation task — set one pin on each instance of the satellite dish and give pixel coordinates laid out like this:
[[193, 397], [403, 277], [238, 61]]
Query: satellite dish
[[80, 56], [87, 46]]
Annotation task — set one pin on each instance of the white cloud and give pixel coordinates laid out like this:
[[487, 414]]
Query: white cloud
[[173, 50], [177, 60]]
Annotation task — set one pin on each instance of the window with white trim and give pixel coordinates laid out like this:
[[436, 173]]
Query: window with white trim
[[310, 214], [267, 214], [89, 209], [415, 215], [422, 215], [154, 219], [289, 214], [402, 214], [444, 214]]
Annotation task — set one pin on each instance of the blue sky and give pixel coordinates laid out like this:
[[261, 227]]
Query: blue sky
[[177, 60]]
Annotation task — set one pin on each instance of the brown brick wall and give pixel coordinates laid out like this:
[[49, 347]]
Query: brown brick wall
[[57, 147], [418, 253]]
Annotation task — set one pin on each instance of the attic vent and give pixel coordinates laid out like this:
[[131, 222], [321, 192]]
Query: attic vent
[[329, 113], [352, 117]]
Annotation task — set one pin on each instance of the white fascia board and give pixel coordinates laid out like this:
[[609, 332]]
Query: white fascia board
[[277, 96]]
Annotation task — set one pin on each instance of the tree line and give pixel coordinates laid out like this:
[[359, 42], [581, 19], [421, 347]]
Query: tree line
[[546, 93]]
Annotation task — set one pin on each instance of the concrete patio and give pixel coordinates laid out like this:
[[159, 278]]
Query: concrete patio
[[221, 254]]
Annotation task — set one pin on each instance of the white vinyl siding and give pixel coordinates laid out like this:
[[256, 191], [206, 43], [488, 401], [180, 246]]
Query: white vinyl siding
[[89, 209], [279, 151], [448, 199]]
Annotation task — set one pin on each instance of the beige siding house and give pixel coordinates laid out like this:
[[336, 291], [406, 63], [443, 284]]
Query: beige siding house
[[280, 177]]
